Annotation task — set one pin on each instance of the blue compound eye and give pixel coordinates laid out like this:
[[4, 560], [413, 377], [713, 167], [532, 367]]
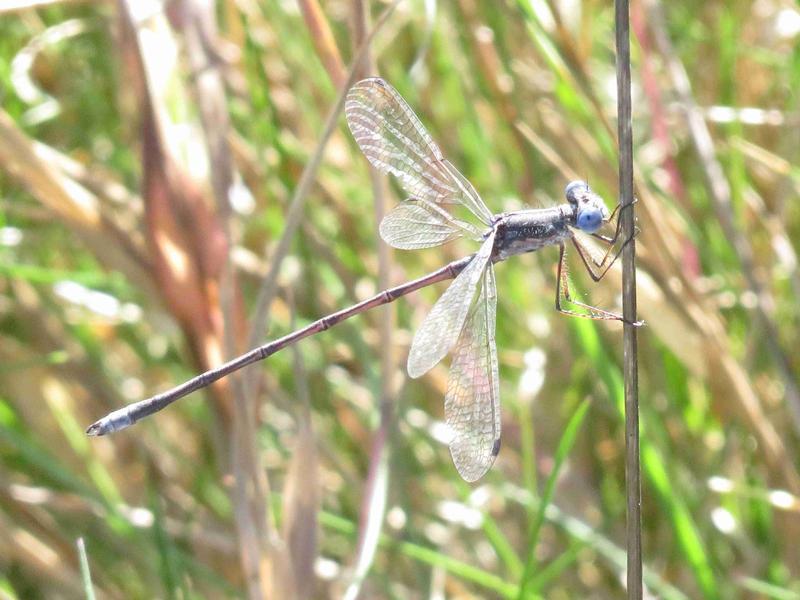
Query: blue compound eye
[[589, 220]]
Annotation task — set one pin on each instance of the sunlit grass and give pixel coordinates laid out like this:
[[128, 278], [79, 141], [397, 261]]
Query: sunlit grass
[[88, 322]]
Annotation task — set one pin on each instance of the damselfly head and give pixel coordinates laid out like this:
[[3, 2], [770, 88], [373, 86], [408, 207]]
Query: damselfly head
[[590, 210]]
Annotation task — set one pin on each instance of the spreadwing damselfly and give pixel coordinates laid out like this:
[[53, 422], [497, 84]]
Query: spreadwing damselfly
[[462, 321]]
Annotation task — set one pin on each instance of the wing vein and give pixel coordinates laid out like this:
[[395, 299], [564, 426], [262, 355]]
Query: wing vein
[[395, 141], [472, 402]]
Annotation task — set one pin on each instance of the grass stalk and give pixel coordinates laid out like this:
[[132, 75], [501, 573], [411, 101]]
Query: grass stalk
[[630, 350]]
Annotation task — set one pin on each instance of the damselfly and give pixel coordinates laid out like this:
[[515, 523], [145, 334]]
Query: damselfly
[[463, 319]]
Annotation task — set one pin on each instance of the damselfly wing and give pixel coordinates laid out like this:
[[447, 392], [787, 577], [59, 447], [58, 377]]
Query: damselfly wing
[[394, 140]]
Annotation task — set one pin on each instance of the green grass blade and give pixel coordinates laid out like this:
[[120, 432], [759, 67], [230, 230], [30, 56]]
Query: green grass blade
[[564, 448]]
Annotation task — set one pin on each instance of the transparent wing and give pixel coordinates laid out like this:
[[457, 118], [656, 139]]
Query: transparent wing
[[395, 141], [420, 224], [472, 402], [442, 327]]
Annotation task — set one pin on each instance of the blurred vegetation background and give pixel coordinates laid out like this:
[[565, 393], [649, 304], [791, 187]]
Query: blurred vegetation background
[[154, 223]]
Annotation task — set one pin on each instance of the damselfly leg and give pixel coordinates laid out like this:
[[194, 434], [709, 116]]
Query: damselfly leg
[[598, 269], [611, 241], [563, 293]]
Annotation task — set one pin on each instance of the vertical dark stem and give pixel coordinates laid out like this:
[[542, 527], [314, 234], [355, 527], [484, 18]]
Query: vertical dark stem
[[630, 367]]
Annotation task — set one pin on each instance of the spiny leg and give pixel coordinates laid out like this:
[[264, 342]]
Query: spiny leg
[[603, 265], [562, 287], [611, 242], [617, 223]]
